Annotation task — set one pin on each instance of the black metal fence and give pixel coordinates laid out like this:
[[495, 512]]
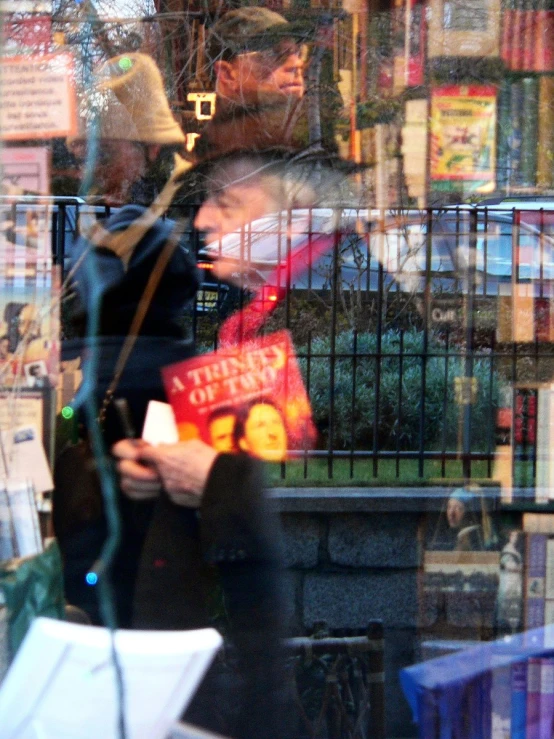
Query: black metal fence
[[339, 684], [411, 331]]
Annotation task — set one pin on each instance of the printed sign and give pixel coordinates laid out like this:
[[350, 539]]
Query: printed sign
[[38, 97], [25, 168]]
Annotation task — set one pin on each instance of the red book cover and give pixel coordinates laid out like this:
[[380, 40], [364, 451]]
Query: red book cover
[[516, 60], [529, 31], [506, 38], [543, 57], [247, 397]]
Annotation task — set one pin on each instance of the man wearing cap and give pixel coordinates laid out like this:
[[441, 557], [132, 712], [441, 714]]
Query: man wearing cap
[[257, 59]]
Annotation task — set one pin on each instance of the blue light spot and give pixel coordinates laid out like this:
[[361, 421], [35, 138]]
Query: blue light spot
[[91, 578]]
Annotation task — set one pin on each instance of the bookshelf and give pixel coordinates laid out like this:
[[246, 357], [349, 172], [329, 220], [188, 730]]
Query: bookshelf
[[416, 48]]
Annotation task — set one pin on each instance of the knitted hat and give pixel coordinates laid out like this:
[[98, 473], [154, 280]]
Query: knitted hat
[[137, 83], [250, 29]]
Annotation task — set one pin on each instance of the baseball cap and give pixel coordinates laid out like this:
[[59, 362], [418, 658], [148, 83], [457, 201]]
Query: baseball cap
[[252, 29]]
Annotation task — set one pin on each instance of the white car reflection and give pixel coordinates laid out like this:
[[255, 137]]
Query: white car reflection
[[448, 249]]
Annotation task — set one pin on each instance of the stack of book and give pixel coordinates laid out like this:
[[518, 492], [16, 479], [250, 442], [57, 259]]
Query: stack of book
[[539, 569], [527, 43], [496, 690], [526, 132], [522, 700], [525, 431]]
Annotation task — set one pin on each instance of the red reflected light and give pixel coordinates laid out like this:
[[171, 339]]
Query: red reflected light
[[271, 294]]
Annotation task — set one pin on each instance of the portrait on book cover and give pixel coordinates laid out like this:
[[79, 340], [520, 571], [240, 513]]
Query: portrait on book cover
[[463, 524], [246, 398]]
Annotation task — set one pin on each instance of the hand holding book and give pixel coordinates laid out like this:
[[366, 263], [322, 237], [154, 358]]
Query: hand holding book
[[183, 467]]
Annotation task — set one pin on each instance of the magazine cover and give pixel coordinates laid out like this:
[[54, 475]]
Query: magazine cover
[[29, 302], [249, 397]]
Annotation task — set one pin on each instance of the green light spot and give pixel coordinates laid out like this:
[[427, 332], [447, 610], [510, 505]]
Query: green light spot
[[67, 412], [125, 63]]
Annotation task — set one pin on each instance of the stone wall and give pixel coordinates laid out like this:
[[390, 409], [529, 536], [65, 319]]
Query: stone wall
[[352, 556]]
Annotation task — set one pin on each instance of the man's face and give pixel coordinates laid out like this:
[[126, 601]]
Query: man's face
[[255, 75], [221, 433], [265, 435], [455, 511], [230, 209]]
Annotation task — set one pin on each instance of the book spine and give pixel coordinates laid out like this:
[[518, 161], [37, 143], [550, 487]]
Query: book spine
[[516, 48], [476, 724], [503, 456], [545, 141], [501, 705], [533, 698], [529, 131], [543, 57], [503, 154], [525, 436], [485, 728], [516, 112], [546, 707], [428, 715], [542, 305], [528, 35], [506, 33], [535, 580], [549, 581], [519, 700], [543, 450]]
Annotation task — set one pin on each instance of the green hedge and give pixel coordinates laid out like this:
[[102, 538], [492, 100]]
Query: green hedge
[[400, 392]]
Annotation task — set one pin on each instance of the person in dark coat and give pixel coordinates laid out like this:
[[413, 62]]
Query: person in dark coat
[[212, 533], [137, 168]]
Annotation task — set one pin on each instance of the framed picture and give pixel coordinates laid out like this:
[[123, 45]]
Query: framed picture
[[464, 28], [28, 407]]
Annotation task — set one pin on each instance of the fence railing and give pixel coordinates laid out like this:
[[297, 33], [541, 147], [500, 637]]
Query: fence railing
[[412, 330], [339, 684]]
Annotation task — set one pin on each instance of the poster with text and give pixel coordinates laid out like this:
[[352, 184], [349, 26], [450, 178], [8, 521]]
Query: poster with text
[[248, 398], [25, 169], [29, 298], [463, 137], [38, 97]]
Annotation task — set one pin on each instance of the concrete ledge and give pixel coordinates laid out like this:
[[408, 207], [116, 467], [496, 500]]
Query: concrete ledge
[[365, 500]]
